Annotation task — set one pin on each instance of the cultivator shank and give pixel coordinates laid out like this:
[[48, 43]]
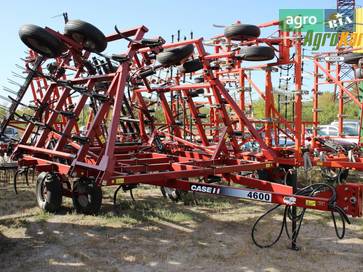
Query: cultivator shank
[[131, 118]]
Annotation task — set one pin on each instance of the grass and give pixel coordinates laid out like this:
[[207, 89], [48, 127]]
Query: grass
[[111, 218], [215, 203], [151, 209], [42, 216], [173, 216], [16, 223]]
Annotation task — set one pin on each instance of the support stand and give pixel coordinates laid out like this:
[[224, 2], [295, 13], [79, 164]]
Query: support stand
[[292, 181]]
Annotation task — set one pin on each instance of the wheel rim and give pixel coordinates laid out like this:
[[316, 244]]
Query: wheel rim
[[83, 200], [170, 191], [78, 37], [90, 44], [330, 172], [83, 197], [43, 191]]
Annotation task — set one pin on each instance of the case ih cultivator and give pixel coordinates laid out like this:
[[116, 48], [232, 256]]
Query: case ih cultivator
[[206, 139]]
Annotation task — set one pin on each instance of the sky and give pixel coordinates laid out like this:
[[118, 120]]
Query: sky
[[162, 17]]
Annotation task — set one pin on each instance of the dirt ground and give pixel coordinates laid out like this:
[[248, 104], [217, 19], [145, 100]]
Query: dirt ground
[[154, 234]]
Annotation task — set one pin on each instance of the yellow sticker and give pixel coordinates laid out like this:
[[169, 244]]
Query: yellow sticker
[[119, 181], [102, 139], [268, 165], [310, 203], [319, 163]]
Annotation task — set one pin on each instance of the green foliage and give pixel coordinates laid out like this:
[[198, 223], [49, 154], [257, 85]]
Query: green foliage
[[2, 111], [327, 104], [84, 116], [159, 115]]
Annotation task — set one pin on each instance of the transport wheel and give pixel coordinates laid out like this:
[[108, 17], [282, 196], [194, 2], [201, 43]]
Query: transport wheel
[[241, 32], [352, 58], [256, 53], [86, 196], [88, 35], [49, 192], [334, 175], [199, 79], [176, 55], [263, 174], [276, 175], [190, 66], [41, 41]]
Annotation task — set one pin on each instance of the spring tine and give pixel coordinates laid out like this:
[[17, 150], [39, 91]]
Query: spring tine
[[5, 98], [218, 26], [3, 115], [14, 82], [3, 108], [17, 75], [20, 67], [32, 107], [6, 89]]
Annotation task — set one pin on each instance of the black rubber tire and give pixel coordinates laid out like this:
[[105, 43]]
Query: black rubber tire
[[334, 176], [41, 41], [352, 58], [48, 192], [256, 53], [275, 175], [190, 66], [86, 196], [176, 55], [199, 79], [91, 38], [241, 32], [344, 175], [264, 175]]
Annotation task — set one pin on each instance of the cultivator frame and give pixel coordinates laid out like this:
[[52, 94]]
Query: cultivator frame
[[124, 144]]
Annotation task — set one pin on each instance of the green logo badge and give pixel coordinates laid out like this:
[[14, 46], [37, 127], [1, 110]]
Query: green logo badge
[[302, 20]]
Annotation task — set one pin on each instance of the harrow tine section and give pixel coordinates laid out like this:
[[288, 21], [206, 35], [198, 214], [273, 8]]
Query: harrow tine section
[[20, 94]]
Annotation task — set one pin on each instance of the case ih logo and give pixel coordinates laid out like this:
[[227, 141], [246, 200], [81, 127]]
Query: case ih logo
[[204, 189]]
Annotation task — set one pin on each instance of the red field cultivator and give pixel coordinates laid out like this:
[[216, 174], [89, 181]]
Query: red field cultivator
[[175, 116]]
